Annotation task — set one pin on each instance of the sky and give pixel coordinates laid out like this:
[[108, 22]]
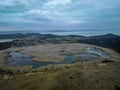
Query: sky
[[60, 15]]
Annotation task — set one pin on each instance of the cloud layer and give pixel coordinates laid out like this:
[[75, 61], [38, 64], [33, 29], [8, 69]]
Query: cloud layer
[[59, 14]]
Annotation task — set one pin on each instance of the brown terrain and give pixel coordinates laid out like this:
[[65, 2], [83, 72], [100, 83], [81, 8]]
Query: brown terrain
[[99, 75]]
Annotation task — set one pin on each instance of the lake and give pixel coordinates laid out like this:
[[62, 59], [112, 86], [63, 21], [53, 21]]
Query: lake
[[5, 40]]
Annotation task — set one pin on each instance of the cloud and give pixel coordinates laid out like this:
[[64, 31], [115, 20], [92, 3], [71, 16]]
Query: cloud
[[6, 2], [54, 3], [60, 13]]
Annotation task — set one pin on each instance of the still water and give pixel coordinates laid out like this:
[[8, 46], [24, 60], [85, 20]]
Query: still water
[[19, 59], [5, 40]]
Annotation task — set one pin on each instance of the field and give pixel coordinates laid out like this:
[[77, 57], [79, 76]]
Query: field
[[55, 52], [99, 75], [77, 77]]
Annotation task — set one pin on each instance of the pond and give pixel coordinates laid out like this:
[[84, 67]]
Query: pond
[[98, 52], [5, 40], [19, 59]]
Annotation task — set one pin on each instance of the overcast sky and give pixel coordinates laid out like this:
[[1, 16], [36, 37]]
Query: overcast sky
[[59, 15]]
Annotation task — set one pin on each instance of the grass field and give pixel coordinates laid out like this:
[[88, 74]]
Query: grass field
[[99, 75], [77, 77]]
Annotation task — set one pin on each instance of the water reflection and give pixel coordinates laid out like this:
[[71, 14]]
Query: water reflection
[[19, 59]]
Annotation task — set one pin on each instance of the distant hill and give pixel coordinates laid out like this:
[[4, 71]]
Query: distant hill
[[104, 36], [109, 40], [18, 35]]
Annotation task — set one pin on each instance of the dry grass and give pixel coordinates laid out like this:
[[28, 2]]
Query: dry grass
[[54, 52], [48, 53], [77, 77]]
